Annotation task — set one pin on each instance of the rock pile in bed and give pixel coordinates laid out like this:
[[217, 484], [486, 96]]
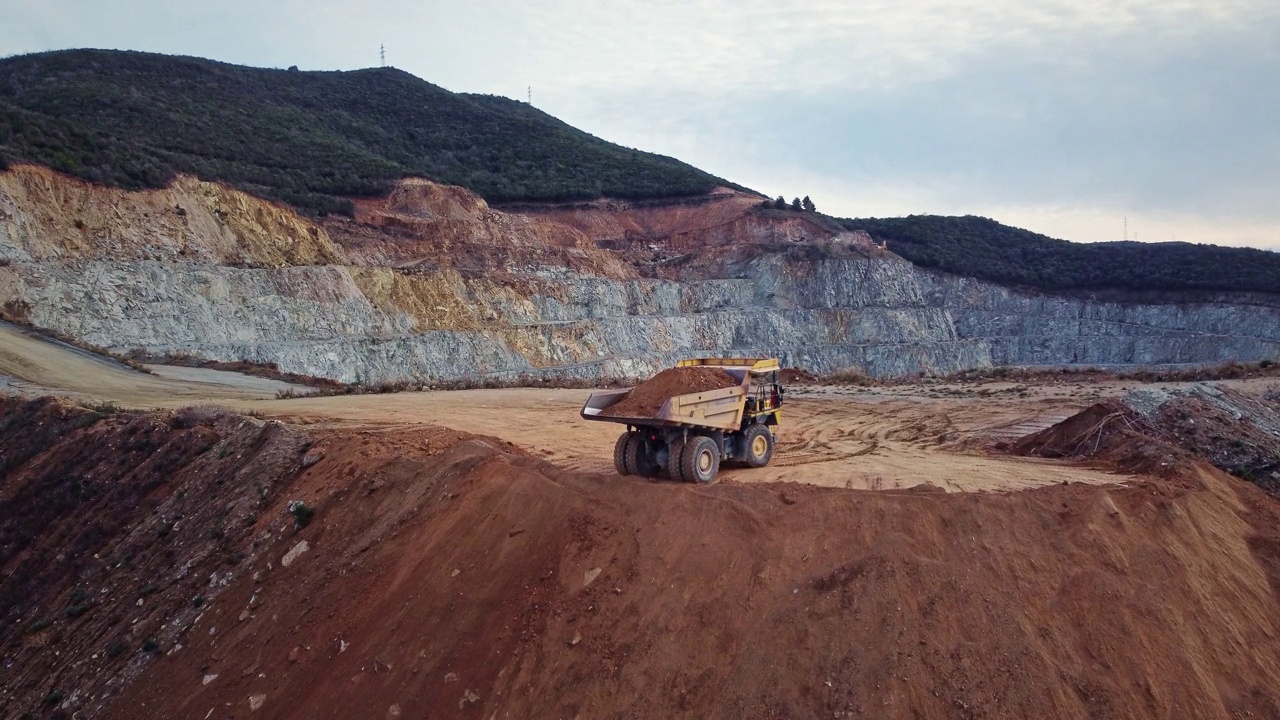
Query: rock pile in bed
[[647, 398]]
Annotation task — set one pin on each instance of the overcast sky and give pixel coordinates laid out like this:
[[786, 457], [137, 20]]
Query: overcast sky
[[1064, 117]]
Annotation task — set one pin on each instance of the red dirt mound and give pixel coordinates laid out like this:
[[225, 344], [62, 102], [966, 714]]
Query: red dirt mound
[[1110, 433], [448, 575], [798, 376], [647, 398]]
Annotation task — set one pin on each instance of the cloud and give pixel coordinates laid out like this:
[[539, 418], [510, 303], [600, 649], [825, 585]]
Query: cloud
[[1153, 111], [719, 47]]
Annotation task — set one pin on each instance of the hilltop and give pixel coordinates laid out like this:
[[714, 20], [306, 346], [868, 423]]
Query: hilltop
[[311, 139], [983, 248]]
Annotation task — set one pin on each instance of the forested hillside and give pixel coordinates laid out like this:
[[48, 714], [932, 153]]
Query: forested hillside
[[308, 138], [983, 248]]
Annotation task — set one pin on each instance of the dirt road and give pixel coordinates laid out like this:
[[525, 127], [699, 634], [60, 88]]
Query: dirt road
[[847, 437], [833, 441], [34, 365]]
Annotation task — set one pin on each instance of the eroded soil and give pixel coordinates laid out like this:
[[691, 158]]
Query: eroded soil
[[472, 554]]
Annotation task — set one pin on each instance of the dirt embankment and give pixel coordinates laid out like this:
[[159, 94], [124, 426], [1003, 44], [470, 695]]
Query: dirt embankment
[[117, 531], [50, 217], [691, 235], [424, 225], [1109, 433], [448, 575], [647, 398], [1155, 431]]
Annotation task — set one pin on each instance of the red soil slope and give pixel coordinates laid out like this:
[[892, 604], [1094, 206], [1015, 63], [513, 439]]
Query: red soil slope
[[655, 232], [454, 576], [115, 530]]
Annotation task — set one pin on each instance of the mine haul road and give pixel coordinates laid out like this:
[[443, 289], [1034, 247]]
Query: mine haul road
[[850, 437]]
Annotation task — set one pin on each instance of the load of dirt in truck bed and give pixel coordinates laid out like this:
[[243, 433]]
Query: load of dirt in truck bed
[[646, 399]]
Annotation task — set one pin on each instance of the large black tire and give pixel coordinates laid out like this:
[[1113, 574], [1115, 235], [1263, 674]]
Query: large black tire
[[640, 457], [674, 450], [622, 452], [700, 460], [758, 444]]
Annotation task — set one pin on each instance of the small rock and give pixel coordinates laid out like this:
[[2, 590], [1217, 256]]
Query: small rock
[[312, 457], [343, 645], [293, 553], [590, 576], [293, 655], [577, 638], [393, 712], [1110, 506], [208, 679], [255, 701], [451, 677], [468, 698]]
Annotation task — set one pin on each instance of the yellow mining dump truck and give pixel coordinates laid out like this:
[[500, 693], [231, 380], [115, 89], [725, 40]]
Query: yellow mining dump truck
[[691, 434]]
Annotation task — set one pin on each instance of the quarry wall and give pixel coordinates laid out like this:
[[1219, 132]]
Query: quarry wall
[[433, 284]]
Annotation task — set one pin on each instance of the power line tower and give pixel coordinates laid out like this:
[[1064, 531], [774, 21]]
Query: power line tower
[[1126, 228], [382, 55], [530, 95]]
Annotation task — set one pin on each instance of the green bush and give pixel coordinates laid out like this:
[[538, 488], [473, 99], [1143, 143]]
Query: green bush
[[302, 514]]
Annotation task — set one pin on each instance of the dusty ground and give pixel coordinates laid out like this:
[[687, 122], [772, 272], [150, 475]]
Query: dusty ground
[[153, 567], [449, 575], [849, 437]]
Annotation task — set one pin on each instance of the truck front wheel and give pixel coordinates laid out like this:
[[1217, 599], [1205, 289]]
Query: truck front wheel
[[759, 445]]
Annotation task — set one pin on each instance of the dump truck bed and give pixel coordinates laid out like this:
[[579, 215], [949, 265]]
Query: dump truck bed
[[719, 409]]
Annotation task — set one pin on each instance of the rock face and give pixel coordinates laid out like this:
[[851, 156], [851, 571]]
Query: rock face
[[432, 283]]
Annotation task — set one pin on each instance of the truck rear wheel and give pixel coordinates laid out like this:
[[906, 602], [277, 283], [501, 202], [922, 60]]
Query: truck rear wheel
[[759, 445], [674, 450], [700, 460], [622, 452], [640, 457]]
